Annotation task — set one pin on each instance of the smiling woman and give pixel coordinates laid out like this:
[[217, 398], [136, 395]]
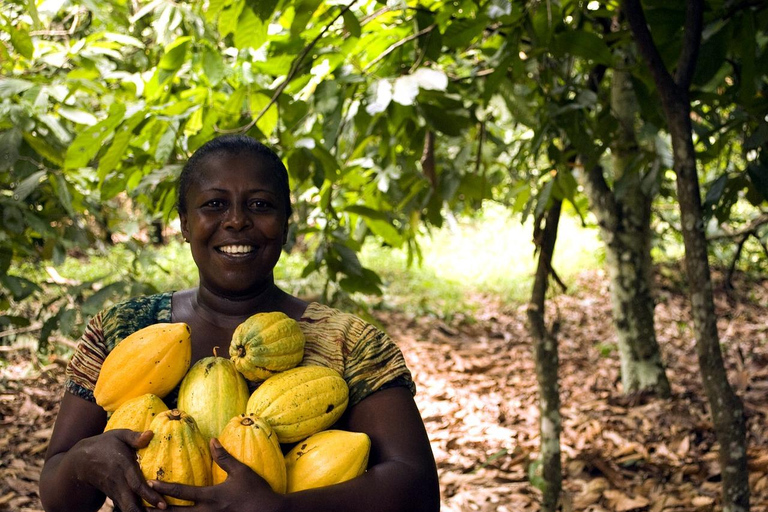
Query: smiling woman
[[234, 207]]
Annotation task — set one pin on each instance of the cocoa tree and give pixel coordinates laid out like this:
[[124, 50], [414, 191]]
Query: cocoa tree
[[673, 89]]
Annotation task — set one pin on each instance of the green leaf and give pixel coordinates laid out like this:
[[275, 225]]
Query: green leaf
[[20, 287], [368, 283], [385, 230], [98, 300], [452, 123], [21, 42], [120, 142], [64, 195], [11, 86], [586, 45], [758, 174], [213, 66], [78, 116], [352, 24], [28, 185], [175, 54], [366, 211], [228, 18], [263, 8], [6, 256], [10, 142], [461, 32], [166, 143], [251, 32], [214, 8], [44, 149], [267, 122], [87, 144]]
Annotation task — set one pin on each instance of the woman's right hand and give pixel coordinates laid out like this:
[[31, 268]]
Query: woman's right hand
[[108, 463]]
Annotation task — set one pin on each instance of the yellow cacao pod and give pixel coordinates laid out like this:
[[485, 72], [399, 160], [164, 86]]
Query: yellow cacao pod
[[252, 441], [177, 453], [213, 392], [301, 401], [151, 360], [137, 413], [326, 458], [265, 344]]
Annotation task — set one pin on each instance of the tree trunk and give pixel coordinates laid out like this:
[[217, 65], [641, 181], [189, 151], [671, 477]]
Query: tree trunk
[[547, 364], [624, 216], [727, 409]]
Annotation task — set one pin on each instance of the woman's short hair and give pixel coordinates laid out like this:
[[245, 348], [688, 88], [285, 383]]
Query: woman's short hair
[[232, 145]]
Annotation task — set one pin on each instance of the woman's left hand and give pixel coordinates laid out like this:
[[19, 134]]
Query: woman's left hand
[[240, 491]]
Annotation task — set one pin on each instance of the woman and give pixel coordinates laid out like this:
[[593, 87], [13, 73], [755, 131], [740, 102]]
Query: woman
[[234, 206]]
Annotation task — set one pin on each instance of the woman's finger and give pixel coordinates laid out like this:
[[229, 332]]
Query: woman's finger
[[224, 459], [135, 440], [174, 490]]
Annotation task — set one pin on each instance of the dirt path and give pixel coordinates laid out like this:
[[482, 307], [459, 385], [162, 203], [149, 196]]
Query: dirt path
[[477, 394]]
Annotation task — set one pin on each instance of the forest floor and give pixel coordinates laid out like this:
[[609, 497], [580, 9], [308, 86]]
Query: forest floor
[[477, 393]]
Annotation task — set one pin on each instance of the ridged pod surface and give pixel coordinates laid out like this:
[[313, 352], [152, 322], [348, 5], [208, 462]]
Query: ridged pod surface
[[213, 392], [266, 344], [300, 402], [137, 413], [151, 360], [326, 458], [252, 441], [177, 453]]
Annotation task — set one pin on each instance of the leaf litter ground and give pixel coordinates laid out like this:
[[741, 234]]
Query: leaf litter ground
[[477, 393]]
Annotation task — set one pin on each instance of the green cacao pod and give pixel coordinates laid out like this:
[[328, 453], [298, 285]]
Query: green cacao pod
[[177, 453], [266, 344], [252, 441], [300, 402], [326, 458], [213, 392]]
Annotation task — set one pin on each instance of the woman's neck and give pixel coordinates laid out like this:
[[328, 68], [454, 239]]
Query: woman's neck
[[229, 312]]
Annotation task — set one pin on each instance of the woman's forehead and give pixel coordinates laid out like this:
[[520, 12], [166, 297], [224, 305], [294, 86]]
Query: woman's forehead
[[227, 166]]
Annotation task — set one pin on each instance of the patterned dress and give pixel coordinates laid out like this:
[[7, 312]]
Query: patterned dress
[[364, 355]]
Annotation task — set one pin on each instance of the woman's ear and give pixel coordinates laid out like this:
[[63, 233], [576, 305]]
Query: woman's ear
[[184, 229]]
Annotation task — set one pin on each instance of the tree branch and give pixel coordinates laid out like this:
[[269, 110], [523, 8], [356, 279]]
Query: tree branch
[[398, 44], [636, 18], [291, 74], [686, 62]]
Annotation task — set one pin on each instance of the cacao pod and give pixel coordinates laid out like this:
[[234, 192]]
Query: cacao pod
[[299, 402], [326, 458], [252, 441], [177, 453], [151, 360], [265, 344], [137, 413], [213, 392]]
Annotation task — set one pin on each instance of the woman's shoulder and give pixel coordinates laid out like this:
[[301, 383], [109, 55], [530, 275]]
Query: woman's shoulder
[[135, 313]]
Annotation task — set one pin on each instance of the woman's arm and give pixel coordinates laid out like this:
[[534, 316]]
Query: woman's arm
[[401, 475], [83, 465]]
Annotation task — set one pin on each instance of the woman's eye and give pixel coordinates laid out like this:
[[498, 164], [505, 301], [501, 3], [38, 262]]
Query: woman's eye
[[214, 203], [259, 204]]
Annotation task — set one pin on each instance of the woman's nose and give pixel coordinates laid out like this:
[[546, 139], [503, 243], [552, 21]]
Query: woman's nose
[[237, 218]]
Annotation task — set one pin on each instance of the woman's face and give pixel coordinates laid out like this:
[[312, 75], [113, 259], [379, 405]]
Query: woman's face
[[235, 222]]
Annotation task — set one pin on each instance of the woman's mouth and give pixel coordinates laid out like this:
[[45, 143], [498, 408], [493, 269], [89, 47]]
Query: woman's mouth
[[236, 250]]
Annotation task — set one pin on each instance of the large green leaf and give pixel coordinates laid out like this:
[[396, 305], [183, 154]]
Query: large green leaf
[[88, 143], [586, 45]]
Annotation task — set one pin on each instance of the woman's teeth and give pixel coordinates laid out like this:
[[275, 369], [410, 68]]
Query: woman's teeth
[[236, 249]]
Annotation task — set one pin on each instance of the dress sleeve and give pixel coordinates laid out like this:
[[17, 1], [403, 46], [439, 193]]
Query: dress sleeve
[[375, 362], [84, 366]]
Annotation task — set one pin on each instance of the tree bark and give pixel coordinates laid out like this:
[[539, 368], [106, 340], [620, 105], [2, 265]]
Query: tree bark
[[547, 364], [624, 217], [726, 406]]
